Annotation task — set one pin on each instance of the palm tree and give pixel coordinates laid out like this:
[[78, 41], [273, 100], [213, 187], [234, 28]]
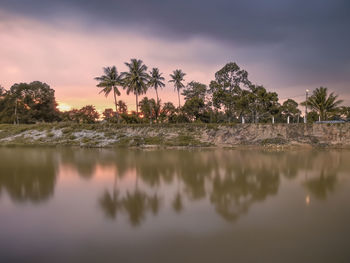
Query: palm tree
[[108, 82], [177, 78], [136, 80], [323, 103], [156, 81]]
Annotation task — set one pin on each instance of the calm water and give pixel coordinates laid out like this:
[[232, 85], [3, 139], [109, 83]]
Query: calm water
[[89, 205]]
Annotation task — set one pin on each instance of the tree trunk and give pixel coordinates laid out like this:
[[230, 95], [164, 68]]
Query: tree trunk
[[137, 105], [16, 116], [116, 105], [157, 96], [150, 113], [15, 120], [178, 94]]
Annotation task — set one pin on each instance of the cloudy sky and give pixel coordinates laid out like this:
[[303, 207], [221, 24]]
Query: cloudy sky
[[286, 45]]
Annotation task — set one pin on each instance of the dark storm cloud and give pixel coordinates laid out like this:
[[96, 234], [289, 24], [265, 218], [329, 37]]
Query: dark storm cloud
[[244, 21], [310, 38]]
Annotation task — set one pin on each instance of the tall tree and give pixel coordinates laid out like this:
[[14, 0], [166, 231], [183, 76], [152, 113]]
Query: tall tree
[[29, 103], [168, 112], [177, 78], [323, 103], [228, 88], [136, 80], [156, 81], [262, 104], [290, 109], [195, 107], [149, 108], [87, 114], [110, 82], [195, 89]]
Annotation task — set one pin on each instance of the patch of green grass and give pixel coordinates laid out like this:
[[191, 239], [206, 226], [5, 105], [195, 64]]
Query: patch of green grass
[[156, 140], [109, 134], [212, 126], [130, 141], [123, 142], [274, 141], [184, 140], [67, 130], [86, 140]]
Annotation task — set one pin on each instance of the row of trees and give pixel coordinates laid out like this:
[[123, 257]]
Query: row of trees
[[230, 97]]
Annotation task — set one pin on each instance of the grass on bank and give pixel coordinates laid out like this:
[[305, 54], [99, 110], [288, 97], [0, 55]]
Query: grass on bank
[[135, 135], [23, 134]]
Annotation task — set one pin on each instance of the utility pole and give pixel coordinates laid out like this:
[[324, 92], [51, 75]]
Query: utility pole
[[307, 97]]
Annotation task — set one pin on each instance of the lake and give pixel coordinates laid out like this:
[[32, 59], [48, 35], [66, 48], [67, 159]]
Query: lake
[[107, 205]]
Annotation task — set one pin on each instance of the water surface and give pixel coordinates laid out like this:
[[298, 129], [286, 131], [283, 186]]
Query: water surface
[[93, 205]]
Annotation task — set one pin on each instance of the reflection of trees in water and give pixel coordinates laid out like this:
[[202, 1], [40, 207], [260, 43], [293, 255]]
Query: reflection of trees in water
[[233, 194], [321, 186], [110, 203], [177, 203], [28, 174], [322, 181], [136, 204], [232, 180], [83, 160]]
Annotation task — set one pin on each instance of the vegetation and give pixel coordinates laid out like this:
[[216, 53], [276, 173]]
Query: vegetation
[[230, 98], [136, 80], [156, 81], [28, 103], [322, 103], [110, 82], [177, 78]]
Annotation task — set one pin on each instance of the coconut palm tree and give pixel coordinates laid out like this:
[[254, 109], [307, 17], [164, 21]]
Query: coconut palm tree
[[177, 78], [156, 81], [323, 103], [136, 80], [110, 82]]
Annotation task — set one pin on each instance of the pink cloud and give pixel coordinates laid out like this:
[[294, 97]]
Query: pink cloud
[[67, 57]]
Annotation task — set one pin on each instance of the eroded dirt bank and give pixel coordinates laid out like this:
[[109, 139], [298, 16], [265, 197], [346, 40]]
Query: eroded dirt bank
[[195, 135]]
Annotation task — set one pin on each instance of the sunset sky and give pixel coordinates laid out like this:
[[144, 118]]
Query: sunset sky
[[286, 45]]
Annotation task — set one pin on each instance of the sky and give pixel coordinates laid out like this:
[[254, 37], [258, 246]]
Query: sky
[[286, 45]]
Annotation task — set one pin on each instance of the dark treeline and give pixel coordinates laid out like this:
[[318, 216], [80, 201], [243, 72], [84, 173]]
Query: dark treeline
[[230, 97]]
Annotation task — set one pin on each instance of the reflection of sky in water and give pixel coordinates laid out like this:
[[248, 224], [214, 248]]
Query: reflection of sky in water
[[210, 201]]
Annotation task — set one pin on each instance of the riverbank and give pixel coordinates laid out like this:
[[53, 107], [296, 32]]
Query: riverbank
[[177, 135]]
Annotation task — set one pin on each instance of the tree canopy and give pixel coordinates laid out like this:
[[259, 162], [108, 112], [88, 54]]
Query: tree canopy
[[29, 103], [323, 103]]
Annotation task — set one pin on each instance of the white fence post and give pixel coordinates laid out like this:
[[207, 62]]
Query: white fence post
[[288, 119]]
